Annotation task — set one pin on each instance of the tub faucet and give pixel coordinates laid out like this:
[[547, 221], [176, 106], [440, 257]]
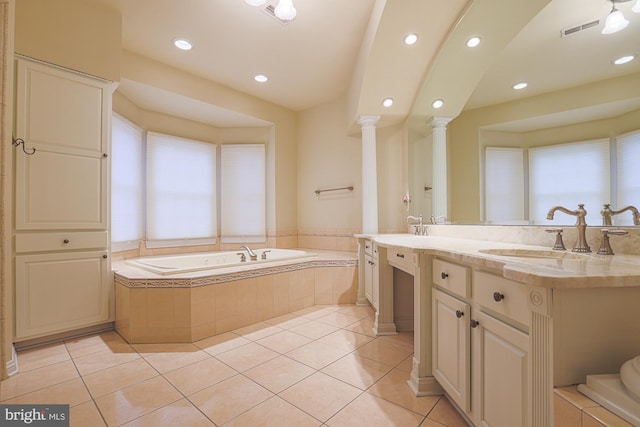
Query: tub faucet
[[420, 227], [581, 225], [607, 213], [252, 255]]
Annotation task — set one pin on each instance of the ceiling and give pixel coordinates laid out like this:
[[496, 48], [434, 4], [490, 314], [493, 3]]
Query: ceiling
[[312, 59]]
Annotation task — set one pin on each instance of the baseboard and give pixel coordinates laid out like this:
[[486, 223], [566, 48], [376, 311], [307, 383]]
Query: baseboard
[[77, 333], [12, 365]]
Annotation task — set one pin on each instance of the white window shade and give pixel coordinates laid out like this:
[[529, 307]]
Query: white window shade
[[504, 184], [127, 217], [181, 191], [567, 175], [242, 198], [628, 174]]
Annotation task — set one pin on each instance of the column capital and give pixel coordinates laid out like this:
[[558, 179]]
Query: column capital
[[439, 122], [368, 120]]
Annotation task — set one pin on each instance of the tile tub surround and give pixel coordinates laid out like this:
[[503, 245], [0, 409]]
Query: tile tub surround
[[573, 409], [188, 307]]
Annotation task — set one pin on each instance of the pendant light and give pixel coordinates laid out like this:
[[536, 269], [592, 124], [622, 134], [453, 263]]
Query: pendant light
[[615, 21], [285, 10], [636, 7]]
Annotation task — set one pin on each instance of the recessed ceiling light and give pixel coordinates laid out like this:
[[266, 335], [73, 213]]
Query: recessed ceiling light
[[473, 42], [183, 44], [387, 102], [260, 78], [624, 59], [520, 85], [410, 39], [438, 103]]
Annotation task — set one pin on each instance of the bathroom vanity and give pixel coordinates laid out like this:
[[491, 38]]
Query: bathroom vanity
[[497, 325]]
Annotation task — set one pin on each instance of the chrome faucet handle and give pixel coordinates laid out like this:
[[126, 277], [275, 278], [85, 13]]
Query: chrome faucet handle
[[605, 246], [559, 244], [243, 257]]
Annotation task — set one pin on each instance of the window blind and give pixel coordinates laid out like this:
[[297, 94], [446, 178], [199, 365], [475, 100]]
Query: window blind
[[127, 217], [181, 191], [628, 176], [566, 175], [242, 193], [504, 184]]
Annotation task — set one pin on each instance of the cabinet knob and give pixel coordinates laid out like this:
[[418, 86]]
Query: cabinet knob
[[444, 275], [459, 313], [474, 323], [65, 241], [105, 155], [497, 296], [105, 256]]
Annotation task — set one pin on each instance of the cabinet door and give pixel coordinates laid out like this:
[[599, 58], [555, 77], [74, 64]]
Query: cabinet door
[[368, 278], [60, 292], [501, 374], [451, 347]]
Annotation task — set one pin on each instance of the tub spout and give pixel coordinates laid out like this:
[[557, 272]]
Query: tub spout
[[252, 255]]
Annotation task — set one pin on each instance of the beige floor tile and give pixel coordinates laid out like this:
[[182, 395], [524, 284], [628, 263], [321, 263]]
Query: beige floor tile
[[92, 344], [279, 373], [314, 329], [357, 311], [221, 343], [178, 414], [284, 342], [287, 321], [430, 423], [111, 379], [36, 379], [363, 326], [167, 357], [406, 365], [338, 319], [404, 338], [274, 412], [247, 356], [316, 354], [137, 400], [384, 352], [72, 393], [345, 340], [357, 371], [42, 356], [371, 411], [228, 399], [320, 395], [312, 312], [394, 388], [257, 331], [100, 360], [85, 415], [200, 375], [446, 414]]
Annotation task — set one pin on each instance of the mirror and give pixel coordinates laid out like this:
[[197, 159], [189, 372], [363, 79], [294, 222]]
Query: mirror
[[575, 93]]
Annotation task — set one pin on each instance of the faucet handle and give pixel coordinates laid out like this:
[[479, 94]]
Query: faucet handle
[[559, 244], [243, 257], [605, 246]]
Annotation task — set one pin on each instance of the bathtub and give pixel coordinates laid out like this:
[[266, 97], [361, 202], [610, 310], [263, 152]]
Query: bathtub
[[175, 264]]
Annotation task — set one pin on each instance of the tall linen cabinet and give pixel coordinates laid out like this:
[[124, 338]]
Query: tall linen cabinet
[[61, 216]]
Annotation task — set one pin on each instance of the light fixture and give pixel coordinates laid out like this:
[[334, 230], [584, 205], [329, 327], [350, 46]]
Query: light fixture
[[183, 44], [636, 7], [473, 42], [412, 38], [521, 85], [438, 103], [261, 78], [624, 59], [387, 102], [255, 2], [615, 20], [285, 10]]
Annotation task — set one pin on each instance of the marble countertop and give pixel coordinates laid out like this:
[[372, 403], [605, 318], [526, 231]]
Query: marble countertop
[[549, 269]]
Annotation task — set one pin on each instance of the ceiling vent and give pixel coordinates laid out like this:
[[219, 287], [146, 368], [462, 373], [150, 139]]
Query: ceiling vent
[[271, 11], [573, 30]]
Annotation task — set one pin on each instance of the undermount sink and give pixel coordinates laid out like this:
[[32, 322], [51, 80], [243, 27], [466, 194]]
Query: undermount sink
[[533, 253]]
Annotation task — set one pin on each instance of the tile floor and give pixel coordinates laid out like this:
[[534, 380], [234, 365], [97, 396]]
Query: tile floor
[[317, 366]]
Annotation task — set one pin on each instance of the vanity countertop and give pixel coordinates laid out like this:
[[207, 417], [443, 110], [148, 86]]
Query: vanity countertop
[[569, 270]]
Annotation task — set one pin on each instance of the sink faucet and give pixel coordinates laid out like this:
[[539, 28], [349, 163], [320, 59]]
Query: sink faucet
[[420, 227], [252, 255], [581, 225], [607, 213]]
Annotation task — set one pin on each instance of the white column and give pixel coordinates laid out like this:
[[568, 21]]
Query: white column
[[369, 175], [439, 156]]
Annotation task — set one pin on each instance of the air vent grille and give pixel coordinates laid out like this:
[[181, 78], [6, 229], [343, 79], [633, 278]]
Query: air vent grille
[[573, 30], [271, 11]]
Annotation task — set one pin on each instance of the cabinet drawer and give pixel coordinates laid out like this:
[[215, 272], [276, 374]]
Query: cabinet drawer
[[73, 240], [501, 295], [403, 259], [368, 247], [452, 277]]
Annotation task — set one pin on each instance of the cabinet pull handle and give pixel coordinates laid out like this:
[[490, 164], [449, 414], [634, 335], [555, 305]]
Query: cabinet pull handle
[[444, 275], [400, 255], [459, 313], [497, 296], [65, 241], [16, 142], [474, 323]]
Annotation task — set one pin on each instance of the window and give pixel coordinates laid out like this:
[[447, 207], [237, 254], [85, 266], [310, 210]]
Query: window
[[628, 176], [504, 181], [181, 191], [127, 215], [242, 193]]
